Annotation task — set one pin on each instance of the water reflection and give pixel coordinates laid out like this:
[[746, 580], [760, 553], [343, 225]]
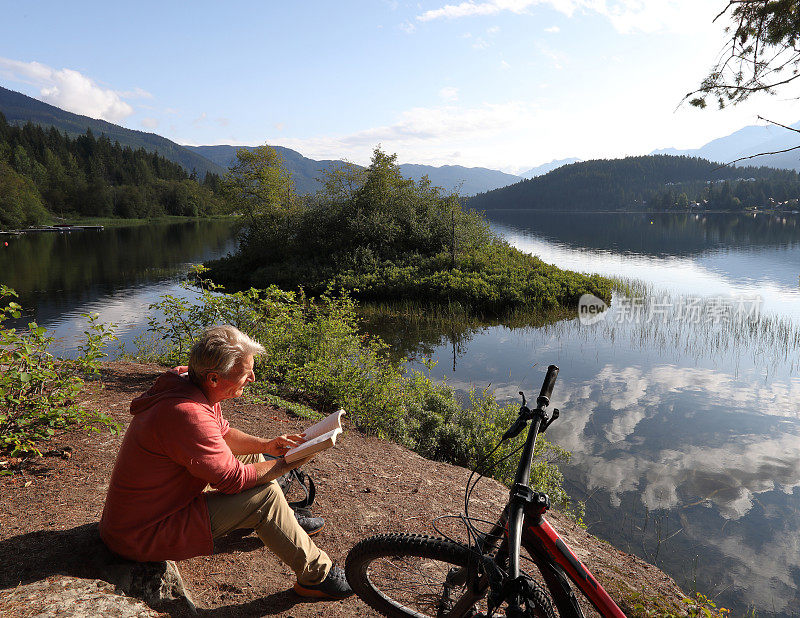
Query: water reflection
[[685, 436], [769, 271], [675, 460], [656, 234], [117, 273], [703, 449]]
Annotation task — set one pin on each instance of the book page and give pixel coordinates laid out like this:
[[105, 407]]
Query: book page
[[327, 424], [315, 445]]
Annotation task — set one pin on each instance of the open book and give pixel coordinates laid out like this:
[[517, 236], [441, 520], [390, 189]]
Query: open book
[[319, 437]]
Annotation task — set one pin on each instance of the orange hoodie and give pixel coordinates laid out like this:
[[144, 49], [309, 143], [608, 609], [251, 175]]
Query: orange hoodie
[[172, 449]]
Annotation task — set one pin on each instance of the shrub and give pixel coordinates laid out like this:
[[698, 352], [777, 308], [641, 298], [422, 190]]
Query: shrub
[[38, 391], [316, 353]]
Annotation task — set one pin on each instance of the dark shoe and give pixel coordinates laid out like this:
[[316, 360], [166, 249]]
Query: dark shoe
[[334, 586], [312, 525]]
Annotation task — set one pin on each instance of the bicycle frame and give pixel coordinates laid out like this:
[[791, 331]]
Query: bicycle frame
[[484, 574], [523, 523], [545, 546], [540, 538]]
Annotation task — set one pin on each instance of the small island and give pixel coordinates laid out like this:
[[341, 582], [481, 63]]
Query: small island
[[381, 237]]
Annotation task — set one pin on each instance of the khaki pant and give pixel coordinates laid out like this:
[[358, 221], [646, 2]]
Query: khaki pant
[[264, 509]]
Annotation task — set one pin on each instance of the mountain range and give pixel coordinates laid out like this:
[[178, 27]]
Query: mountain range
[[305, 171], [19, 109], [749, 141], [541, 170]]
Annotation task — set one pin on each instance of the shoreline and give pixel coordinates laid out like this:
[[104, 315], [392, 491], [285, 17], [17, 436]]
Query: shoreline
[[365, 486]]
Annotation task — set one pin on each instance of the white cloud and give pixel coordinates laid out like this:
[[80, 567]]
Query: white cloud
[[419, 133], [150, 123], [729, 474], [625, 15], [449, 93], [465, 9], [136, 93], [408, 27], [493, 30], [652, 16], [71, 90], [558, 59], [553, 29]]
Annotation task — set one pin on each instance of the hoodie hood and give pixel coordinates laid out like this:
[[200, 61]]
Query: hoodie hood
[[173, 384]]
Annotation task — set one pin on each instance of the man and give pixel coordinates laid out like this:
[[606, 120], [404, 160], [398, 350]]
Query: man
[[178, 443]]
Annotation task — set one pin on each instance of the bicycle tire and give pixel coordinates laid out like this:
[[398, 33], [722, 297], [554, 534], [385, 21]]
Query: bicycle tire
[[415, 575]]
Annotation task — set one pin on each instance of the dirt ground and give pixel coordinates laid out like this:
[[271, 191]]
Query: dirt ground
[[364, 486]]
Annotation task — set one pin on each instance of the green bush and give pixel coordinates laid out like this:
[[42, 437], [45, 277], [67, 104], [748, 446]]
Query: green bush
[[315, 353], [38, 391]]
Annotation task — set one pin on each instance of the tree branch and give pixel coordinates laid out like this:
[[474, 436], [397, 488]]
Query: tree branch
[[760, 154], [778, 124]]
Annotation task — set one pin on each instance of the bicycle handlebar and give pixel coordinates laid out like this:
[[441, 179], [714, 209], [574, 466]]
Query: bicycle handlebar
[[526, 414], [547, 386], [516, 505]]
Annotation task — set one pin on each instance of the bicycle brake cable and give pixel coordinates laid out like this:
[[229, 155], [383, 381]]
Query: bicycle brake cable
[[472, 532]]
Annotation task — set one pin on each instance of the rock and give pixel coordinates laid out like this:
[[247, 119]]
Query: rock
[[79, 555], [64, 596], [156, 583]]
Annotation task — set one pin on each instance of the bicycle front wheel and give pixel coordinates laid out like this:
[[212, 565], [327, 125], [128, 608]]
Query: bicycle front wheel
[[427, 577]]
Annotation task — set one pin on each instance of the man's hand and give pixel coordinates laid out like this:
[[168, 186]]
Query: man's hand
[[242, 443], [277, 447]]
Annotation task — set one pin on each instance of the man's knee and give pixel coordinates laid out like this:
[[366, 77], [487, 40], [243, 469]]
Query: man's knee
[[247, 509], [273, 503]]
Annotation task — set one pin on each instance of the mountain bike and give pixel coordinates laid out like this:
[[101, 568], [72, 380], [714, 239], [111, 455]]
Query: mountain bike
[[425, 576]]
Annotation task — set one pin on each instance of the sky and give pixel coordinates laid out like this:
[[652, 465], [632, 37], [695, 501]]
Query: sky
[[503, 84]]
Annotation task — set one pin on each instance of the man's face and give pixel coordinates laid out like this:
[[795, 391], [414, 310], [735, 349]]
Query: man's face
[[232, 384]]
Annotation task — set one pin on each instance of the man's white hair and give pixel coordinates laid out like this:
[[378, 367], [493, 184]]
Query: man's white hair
[[218, 350]]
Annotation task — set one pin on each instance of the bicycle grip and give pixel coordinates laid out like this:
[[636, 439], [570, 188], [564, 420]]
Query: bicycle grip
[[549, 383]]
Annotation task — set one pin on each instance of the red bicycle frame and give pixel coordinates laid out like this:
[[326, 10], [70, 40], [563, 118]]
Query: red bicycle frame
[[524, 522], [540, 538]]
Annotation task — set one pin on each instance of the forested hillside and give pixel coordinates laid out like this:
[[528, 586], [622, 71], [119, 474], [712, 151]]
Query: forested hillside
[[43, 172], [20, 109], [658, 181]]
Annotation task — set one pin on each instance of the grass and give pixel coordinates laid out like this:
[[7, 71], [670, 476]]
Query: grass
[[676, 325], [120, 222]]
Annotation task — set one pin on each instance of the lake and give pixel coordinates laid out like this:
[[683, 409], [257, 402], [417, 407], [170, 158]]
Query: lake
[[684, 429], [680, 408], [117, 273]]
